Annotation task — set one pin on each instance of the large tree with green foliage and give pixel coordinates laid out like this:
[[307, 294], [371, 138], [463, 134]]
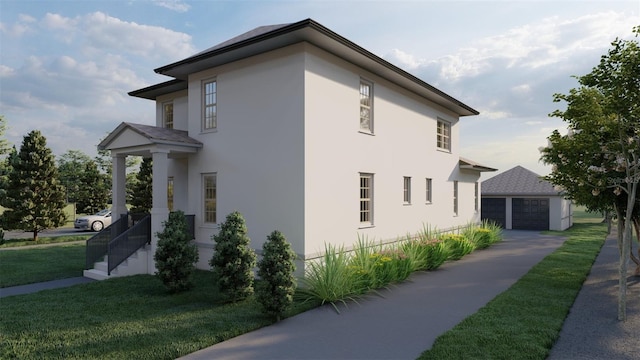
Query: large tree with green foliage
[[597, 163], [93, 189], [4, 150], [71, 164], [141, 195], [35, 198]]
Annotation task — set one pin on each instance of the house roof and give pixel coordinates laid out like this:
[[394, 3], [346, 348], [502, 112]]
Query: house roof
[[157, 135], [472, 165], [268, 38], [518, 181]]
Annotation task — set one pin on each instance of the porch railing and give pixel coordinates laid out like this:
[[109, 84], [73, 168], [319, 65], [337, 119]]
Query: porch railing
[[127, 243], [97, 245]]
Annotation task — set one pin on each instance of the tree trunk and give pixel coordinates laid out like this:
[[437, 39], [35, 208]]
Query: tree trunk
[[35, 235], [636, 260], [625, 251]]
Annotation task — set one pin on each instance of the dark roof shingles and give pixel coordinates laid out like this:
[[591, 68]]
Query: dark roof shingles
[[164, 134], [518, 181]]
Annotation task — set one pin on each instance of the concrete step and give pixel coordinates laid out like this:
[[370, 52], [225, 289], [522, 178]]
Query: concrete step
[[95, 274]]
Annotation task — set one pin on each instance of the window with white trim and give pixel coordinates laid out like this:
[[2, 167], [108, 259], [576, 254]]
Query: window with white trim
[[170, 193], [406, 192], [444, 135], [366, 106], [455, 198], [366, 199], [167, 115], [210, 105], [475, 199], [428, 190], [209, 183]]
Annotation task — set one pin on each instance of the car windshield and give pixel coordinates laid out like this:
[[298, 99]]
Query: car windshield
[[103, 212]]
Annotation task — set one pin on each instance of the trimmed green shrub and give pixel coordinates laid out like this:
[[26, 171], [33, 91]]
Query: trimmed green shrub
[[176, 256], [233, 260], [276, 270]]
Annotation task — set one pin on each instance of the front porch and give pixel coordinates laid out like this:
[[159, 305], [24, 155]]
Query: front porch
[[128, 240]]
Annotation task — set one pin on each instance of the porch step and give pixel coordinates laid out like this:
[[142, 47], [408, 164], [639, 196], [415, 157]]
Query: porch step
[[95, 274], [134, 265]]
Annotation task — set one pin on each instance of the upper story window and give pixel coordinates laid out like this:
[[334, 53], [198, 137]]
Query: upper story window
[[406, 190], [210, 105], [167, 115], [444, 135], [366, 199], [366, 106]]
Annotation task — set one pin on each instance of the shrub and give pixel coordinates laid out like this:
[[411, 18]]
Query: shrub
[[176, 256], [437, 253], [276, 268], [2, 241], [233, 260], [458, 246]]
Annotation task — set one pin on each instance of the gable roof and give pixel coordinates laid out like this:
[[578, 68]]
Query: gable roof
[[518, 181], [154, 134], [467, 164], [267, 38]]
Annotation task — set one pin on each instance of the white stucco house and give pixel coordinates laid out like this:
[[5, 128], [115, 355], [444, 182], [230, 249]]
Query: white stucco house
[[303, 131], [520, 199]]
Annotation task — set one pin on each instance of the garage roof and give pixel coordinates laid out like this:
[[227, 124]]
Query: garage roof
[[518, 181]]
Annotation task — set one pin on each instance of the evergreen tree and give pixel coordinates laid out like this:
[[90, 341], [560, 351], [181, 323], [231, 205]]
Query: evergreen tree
[[141, 196], [275, 269], [71, 165], [176, 255], [93, 191], [233, 260], [35, 199]]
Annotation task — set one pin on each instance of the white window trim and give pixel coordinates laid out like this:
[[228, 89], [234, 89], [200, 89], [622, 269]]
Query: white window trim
[[203, 119], [406, 190], [448, 137], [429, 190], [204, 199], [370, 130], [370, 199]]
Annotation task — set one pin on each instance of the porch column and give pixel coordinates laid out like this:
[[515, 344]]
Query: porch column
[[118, 186], [159, 206]]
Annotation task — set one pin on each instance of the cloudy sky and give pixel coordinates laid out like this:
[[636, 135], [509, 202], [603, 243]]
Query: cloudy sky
[[66, 66]]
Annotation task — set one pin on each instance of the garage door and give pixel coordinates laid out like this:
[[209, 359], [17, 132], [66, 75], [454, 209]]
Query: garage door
[[494, 209], [530, 214]]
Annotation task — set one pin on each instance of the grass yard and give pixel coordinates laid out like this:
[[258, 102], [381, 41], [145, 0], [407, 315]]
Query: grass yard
[[524, 321], [26, 266], [44, 240], [123, 318]]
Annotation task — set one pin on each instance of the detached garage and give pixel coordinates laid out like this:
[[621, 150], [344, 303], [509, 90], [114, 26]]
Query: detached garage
[[520, 199]]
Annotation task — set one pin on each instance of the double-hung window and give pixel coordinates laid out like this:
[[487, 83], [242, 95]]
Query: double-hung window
[[210, 105], [475, 199], [366, 106], [406, 196], [443, 140], [170, 193], [428, 191], [167, 115], [455, 198], [209, 182], [366, 199]]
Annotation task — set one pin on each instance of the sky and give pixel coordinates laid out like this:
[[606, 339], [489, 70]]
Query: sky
[[66, 66]]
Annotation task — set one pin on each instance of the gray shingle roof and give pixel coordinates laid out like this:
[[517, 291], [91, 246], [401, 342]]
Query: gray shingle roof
[[244, 36], [518, 181], [160, 134]]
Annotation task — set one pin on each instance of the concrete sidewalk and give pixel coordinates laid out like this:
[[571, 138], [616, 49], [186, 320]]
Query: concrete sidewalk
[[32, 288], [401, 323]]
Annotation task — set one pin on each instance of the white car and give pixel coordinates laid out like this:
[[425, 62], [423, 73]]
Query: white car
[[94, 222]]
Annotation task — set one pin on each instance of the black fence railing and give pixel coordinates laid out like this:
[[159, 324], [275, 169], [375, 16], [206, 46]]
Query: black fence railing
[[127, 243], [97, 245]]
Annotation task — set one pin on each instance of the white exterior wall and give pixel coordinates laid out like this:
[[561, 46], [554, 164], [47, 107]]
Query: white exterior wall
[[257, 150], [403, 144], [560, 214]]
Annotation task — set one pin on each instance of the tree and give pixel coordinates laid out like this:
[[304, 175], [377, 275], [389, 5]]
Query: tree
[[70, 167], [141, 196], [35, 199], [4, 150], [176, 256], [233, 260], [93, 190], [276, 270], [598, 162]]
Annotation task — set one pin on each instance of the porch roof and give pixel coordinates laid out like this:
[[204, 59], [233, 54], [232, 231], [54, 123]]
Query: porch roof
[[472, 165], [138, 138]]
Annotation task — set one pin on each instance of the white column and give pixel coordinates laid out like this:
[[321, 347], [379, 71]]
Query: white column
[[118, 186], [159, 207]]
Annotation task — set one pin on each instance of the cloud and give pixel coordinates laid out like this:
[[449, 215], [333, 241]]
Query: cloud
[[21, 27], [175, 5]]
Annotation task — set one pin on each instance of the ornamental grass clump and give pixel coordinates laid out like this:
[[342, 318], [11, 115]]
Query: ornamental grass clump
[[276, 270], [233, 260], [458, 245], [438, 253], [176, 256]]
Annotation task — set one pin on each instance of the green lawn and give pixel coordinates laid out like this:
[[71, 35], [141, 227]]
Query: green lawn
[[524, 321], [123, 318], [26, 266]]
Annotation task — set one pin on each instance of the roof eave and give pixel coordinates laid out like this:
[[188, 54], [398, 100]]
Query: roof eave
[[152, 92]]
